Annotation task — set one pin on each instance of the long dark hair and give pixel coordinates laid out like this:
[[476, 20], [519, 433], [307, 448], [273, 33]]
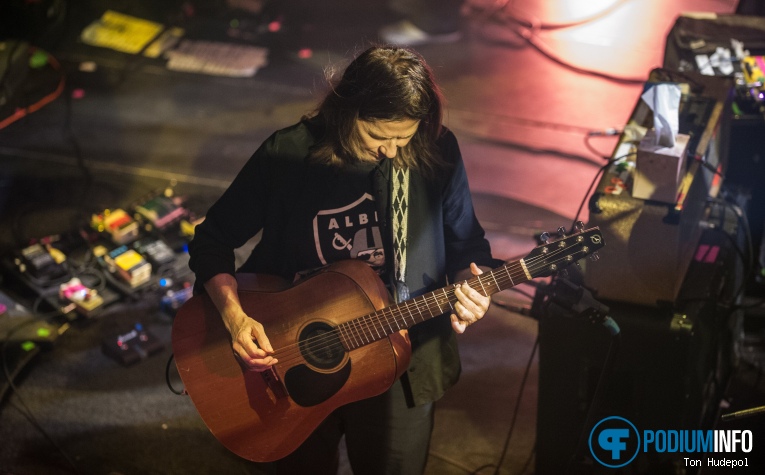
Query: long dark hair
[[383, 83]]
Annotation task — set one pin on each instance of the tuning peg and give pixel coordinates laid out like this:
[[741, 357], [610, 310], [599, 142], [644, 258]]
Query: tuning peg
[[561, 231], [544, 238], [594, 257], [579, 226]]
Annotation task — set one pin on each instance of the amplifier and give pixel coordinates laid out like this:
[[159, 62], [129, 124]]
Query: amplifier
[[651, 243], [650, 246], [668, 368]]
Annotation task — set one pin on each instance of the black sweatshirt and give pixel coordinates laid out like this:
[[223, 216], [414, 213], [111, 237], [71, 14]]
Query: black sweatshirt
[[311, 215]]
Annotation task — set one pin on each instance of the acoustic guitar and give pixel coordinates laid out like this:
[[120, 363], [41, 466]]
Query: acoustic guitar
[[337, 338]]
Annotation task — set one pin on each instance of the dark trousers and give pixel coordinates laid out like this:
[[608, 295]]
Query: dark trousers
[[382, 434]]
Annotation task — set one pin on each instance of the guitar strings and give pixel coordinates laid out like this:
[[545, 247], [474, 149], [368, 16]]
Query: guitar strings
[[360, 329], [362, 325], [363, 329]]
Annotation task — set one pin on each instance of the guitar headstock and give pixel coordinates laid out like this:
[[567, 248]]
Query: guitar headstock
[[553, 256]]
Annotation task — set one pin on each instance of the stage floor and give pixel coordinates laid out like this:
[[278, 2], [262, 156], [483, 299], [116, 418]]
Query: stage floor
[[521, 109]]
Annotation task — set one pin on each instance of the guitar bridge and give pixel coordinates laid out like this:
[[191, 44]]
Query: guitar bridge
[[275, 383]]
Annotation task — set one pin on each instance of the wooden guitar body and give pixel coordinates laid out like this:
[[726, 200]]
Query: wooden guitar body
[[265, 416], [337, 337]]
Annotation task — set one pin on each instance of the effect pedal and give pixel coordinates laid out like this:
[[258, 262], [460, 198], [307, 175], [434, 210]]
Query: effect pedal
[[133, 346]]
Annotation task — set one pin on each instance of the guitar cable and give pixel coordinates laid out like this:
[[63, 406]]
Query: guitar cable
[[569, 298], [511, 429], [24, 409], [179, 392], [594, 183]]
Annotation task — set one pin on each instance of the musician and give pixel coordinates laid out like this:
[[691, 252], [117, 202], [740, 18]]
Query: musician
[[372, 175]]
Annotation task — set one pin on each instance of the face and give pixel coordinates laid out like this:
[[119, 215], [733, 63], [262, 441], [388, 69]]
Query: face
[[383, 138]]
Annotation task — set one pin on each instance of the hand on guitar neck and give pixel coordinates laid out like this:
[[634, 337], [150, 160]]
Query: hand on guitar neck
[[471, 306], [249, 340]]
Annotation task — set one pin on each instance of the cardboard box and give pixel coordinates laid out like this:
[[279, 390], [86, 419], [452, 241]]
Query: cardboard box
[[659, 170]]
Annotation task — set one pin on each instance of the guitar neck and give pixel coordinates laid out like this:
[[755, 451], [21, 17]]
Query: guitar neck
[[378, 325]]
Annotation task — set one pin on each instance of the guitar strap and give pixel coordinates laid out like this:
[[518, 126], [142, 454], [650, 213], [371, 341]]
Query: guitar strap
[[397, 208], [400, 212]]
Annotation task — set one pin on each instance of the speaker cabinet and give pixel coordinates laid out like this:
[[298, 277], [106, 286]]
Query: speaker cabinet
[[666, 369]]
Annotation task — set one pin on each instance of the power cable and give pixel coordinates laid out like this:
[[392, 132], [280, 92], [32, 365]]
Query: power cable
[[594, 182], [22, 112], [536, 24], [26, 411], [613, 348], [527, 30], [599, 133], [517, 406]]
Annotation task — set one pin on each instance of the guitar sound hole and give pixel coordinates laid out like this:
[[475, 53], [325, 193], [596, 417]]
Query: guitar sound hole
[[321, 346]]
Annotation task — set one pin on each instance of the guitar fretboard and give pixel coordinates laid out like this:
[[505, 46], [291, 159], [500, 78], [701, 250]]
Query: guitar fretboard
[[378, 325]]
